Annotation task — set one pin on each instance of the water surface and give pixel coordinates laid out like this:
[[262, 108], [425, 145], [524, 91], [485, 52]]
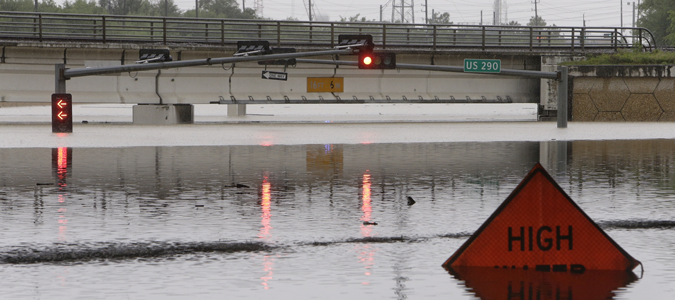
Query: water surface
[[287, 222]]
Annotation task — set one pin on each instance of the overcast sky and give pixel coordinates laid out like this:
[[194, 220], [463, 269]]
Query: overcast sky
[[560, 12]]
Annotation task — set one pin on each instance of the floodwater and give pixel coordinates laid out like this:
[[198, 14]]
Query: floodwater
[[290, 221]]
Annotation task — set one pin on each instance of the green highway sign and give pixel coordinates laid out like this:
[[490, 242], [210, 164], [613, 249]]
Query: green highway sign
[[483, 65]]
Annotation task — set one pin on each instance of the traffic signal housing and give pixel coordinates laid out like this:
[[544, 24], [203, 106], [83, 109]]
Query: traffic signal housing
[[377, 60], [153, 56], [361, 43], [62, 113]]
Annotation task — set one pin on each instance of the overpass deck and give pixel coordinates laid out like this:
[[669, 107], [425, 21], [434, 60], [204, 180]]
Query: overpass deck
[[17, 27]]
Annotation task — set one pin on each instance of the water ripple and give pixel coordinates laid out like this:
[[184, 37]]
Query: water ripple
[[637, 224], [77, 252]]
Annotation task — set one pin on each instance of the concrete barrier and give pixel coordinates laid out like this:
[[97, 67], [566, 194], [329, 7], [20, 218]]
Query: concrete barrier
[[623, 93]]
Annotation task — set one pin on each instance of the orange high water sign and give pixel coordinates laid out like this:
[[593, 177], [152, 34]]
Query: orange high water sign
[[539, 227]]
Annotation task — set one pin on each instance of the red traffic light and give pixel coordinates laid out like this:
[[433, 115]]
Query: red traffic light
[[374, 60], [367, 60], [62, 113]]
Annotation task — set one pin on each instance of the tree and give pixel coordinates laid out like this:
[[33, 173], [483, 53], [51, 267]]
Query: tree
[[671, 29], [440, 18], [655, 17], [28, 5], [514, 23], [355, 18], [221, 9], [536, 21], [82, 7]]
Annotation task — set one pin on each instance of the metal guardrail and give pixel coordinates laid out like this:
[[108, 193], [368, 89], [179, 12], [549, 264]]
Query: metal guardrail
[[164, 31]]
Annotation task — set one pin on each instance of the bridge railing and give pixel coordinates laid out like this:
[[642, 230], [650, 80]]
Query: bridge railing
[[161, 30]]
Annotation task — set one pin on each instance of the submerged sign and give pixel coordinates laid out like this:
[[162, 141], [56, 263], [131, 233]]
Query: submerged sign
[[539, 227]]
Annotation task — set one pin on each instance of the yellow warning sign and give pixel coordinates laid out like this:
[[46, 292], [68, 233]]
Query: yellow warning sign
[[325, 84], [539, 227]]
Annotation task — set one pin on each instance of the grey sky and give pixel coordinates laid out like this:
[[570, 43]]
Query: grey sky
[[562, 13]]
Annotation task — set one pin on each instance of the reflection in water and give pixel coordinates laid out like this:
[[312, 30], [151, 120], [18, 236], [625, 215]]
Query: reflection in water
[[265, 230], [265, 205], [501, 283], [366, 252], [61, 162], [366, 207]]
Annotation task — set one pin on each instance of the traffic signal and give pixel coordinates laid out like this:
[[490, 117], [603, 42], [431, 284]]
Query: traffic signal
[[248, 48], [153, 55], [377, 60], [62, 113], [362, 43]]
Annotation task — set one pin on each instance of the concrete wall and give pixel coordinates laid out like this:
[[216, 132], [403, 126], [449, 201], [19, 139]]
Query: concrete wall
[[27, 75], [623, 93]]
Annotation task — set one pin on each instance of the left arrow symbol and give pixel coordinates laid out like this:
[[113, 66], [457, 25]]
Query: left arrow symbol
[[62, 116], [61, 103]]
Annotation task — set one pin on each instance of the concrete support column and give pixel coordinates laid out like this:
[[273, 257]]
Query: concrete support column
[[163, 114], [562, 98], [236, 110]]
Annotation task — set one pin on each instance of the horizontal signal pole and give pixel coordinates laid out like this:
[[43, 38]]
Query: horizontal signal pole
[[70, 73], [504, 72]]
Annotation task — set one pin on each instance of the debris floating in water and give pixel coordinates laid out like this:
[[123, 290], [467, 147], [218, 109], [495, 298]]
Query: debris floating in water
[[411, 201]]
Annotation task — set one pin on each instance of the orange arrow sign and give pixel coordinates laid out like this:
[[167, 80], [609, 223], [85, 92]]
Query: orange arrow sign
[[539, 227], [61, 115], [61, 103]]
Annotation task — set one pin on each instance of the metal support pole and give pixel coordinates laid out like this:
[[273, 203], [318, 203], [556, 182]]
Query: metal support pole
[[562, 97], [60, 80]]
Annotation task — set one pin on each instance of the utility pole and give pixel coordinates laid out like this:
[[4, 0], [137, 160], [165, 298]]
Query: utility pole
[[310, 10], [481, 17], [166, 8], [36, 5], [426, 12], [633, 13], [197, 8], [536, 14], [401, 10], [243, 5], [584, 18], [621, 3], [380, 13]]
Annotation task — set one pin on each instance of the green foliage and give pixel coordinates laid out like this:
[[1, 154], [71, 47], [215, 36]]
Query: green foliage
[[536, 21], [514, 23], [671, 29], [82, 7], [440, 18], [627, 57], [355, 18], [208, 8], [655, 16], [17, 5], [223, 9]]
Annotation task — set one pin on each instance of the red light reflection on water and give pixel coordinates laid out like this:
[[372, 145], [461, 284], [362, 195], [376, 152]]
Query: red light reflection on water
[[366, 206], [366, 252], [265, 205], [265, 230], [62, 166], [62, 175]]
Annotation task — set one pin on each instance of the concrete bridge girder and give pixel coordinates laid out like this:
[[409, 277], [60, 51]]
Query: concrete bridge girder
[[28, 76]]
